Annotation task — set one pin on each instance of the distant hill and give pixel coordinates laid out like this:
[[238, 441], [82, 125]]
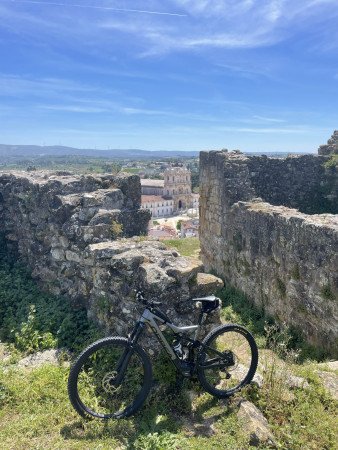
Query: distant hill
[[27, 151], [43, 155]]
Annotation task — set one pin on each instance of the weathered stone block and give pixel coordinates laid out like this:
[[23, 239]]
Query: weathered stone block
[[255, 424], [58, 254]]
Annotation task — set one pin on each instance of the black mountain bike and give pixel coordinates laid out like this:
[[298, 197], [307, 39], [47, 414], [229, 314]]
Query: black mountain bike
[[113, 376]]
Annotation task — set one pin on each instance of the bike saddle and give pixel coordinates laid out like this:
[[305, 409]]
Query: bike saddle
[[209, 303], [210, 298]]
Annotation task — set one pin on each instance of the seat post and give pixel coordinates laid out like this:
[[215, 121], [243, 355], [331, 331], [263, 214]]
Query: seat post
[[201, 317], [200, 322]]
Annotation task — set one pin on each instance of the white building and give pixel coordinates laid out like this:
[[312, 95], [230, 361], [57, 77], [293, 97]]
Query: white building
[[158, 206], [171, 195]]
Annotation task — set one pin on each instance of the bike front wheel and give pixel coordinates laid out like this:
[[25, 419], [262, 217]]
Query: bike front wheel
[[110, 379], [227, 360]]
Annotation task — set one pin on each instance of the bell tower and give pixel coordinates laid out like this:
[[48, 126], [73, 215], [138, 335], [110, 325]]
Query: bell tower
[[177, 184]]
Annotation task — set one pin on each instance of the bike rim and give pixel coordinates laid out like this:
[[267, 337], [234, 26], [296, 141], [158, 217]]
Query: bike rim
[[229, 372], [96, 389]]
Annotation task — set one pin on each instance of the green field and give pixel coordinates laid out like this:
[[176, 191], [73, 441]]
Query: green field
[[186, 247]]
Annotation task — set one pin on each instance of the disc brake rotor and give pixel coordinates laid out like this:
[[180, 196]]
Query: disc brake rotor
[[108, 382]]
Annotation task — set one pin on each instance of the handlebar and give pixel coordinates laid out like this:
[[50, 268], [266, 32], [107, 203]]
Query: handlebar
[[140, 297]]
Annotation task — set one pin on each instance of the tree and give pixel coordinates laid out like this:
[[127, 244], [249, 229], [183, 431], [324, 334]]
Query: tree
[[195, 180]]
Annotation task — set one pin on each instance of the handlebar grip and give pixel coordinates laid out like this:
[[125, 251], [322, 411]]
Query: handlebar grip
[[140, 296]]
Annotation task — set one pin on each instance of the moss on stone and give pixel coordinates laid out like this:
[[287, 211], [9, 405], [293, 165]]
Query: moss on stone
[[326, 292], [295, 274], [238, 241], [281, 286]]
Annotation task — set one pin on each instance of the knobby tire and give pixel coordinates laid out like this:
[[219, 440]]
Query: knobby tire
[[90, 384]]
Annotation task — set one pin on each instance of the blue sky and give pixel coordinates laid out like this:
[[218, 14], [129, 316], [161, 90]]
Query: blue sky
[[255, 75]]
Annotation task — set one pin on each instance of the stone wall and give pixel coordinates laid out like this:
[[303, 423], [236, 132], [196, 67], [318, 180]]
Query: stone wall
[[284, 260], [301, 182], [331, 148], [64, 228]]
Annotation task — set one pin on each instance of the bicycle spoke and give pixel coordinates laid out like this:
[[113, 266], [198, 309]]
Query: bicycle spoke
[[234, 364], [109, 379]]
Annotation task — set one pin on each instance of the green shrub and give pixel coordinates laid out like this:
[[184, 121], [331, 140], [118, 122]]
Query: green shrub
[[332, 162], [34, 320], [28, 338], [163, 369]]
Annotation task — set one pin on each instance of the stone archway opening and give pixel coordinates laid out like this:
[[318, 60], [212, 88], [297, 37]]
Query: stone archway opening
[[180, 204]]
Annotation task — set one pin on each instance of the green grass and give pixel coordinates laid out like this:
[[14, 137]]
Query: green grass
[[186, 246], [35, 413]]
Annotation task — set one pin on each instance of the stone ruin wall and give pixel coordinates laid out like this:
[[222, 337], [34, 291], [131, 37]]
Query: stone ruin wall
[[331, 148], [62, 227], [301, 182], [286, 261]]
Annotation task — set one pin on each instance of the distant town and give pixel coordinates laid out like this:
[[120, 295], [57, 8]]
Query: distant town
[[172, 203], [169, 185], [169, 180]]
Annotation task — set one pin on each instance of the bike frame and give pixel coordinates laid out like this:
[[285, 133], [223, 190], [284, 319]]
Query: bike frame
[[151, 318], [154, 321]]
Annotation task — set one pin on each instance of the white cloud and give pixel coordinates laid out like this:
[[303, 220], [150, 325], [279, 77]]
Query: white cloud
[[171, 25], [74, 108], [97, 7], [274, 10], [228, 24], [297, 129], [186, 25], [21, 86], [269, 119]]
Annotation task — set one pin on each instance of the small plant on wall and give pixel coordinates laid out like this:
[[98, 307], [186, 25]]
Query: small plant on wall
[[116, 229]]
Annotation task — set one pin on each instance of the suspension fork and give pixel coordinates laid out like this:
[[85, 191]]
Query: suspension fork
[[123, 362], [136, 333]]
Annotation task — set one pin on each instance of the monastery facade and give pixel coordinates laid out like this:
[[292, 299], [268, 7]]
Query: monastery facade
[[171, 195]]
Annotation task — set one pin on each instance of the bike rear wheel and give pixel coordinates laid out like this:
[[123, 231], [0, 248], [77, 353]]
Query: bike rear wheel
[[93, 388], [227, 361]]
